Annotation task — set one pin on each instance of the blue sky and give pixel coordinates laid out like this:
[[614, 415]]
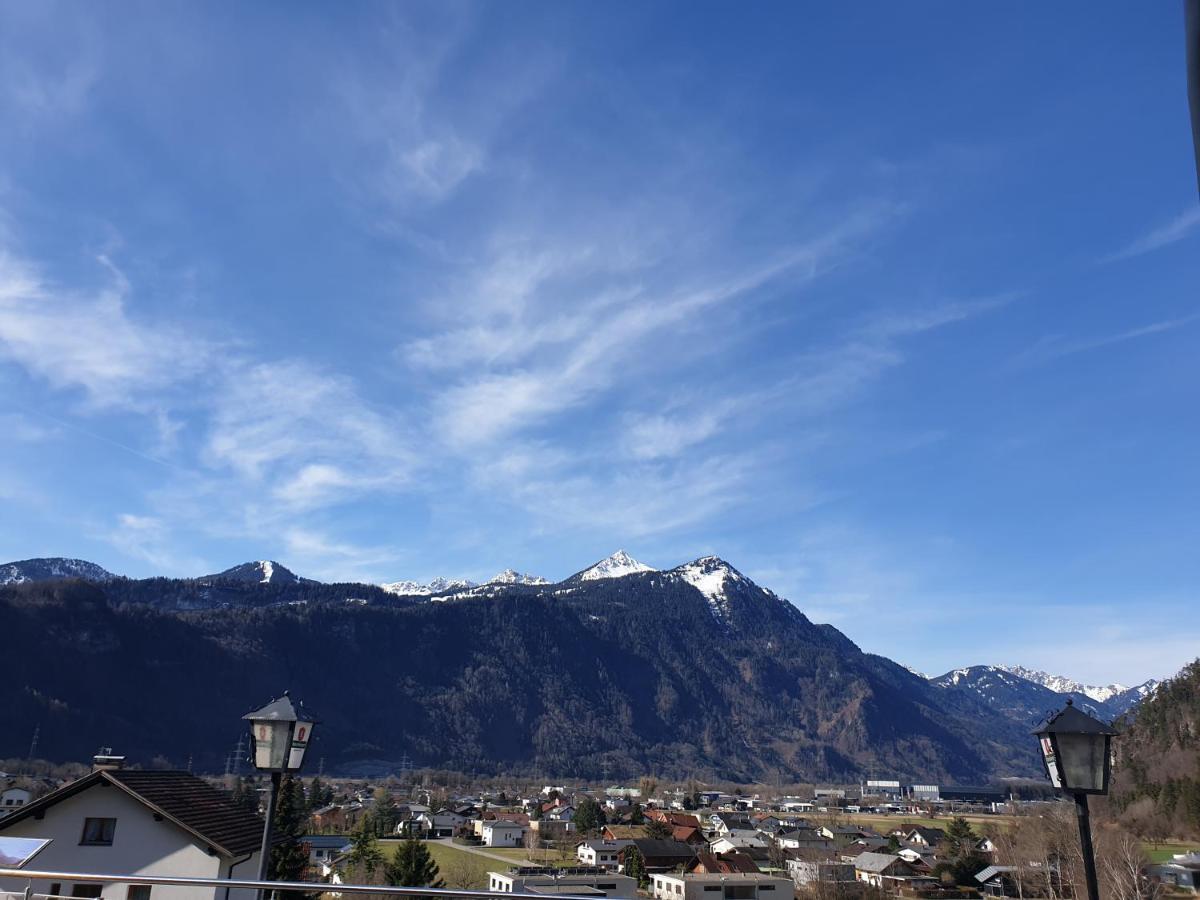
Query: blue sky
[[895, 309]]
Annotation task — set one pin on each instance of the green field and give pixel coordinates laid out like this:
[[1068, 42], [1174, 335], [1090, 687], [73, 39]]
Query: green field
[[458, 868], [884, 824], [1164, 852]]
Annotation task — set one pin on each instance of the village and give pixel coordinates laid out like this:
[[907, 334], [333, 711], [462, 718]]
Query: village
[[666, 842]]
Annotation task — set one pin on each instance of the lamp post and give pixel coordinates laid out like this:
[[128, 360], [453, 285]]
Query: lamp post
[[280, 733], [1077, 753]]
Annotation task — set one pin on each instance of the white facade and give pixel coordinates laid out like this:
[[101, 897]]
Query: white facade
[[736, 840], [736, 886], [499, 833], [13, 799], [600, 853], [140, 846], [609, 883]]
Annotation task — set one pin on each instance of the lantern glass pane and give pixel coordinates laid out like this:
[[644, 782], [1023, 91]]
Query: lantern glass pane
[[300, 739], [1081, 757], [270, 744]]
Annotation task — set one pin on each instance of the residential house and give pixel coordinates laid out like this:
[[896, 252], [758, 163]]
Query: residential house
[[722, 823], [660, 855], [601, 854], [445, 823], [926, 837], [824, 871], [13, 798], [804, 839], [674, 819], [998, 881], [883, 870], [503, 833], [736, 839], [1181, 872], [139, 823], [731, 886], [323, 848], [707, 863], [581, 882]]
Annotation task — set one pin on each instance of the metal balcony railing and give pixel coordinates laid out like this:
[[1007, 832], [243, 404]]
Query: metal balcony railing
[[310, 887]]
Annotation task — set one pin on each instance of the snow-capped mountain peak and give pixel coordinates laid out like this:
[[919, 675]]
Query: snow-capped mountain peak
[[438, 585], [52, 568], [714, 578], [1063, 685], [615, 566], [512, 576], [263, 571]]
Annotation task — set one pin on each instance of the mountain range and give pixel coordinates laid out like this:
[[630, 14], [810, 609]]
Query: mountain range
[[694, 670]]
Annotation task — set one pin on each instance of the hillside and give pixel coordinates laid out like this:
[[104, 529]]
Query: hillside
[[691, 671], [1158, 758]]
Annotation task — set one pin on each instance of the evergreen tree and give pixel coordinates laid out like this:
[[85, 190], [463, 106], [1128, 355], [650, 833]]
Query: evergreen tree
[[962, 860], [364, 848], [589, 816], [288, 857], [635, 865], [637, 817], [412, 866], [384, 813], [658, 829], [319, 794], [245, 795]]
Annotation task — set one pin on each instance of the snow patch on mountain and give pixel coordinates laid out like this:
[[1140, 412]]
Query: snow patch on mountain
[[714, 578], [263, 571], [1062, 685], [52, 568], [618, 565], [436, 586], [512, 576]]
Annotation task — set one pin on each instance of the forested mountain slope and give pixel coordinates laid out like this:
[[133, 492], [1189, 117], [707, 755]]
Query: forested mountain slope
[[1158, 758], [694, 671]]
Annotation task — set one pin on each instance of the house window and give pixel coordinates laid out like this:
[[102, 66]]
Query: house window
[[55, 889], [712, 887], [87, 890], [138, 892], [97, 832]]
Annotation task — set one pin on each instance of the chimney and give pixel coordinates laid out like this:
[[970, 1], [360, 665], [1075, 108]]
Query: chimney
[[105, 761]]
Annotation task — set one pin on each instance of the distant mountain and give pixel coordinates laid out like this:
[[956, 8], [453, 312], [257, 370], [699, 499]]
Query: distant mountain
[[512, 576], [1116, 698], [691, 672], [52, 568], [1063, 685], [1028, 700], [264, 571], [618, 565], [437, 586], [1017, 697]]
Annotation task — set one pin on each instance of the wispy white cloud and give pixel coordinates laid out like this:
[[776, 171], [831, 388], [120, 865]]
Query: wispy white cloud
[[150, 539], [575, 355], [1172, 232], [1055, 347], [89, 341], [305, 432]]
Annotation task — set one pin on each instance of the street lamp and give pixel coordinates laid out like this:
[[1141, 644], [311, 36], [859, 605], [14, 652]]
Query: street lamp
[[280, 733], [1077, 753]]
